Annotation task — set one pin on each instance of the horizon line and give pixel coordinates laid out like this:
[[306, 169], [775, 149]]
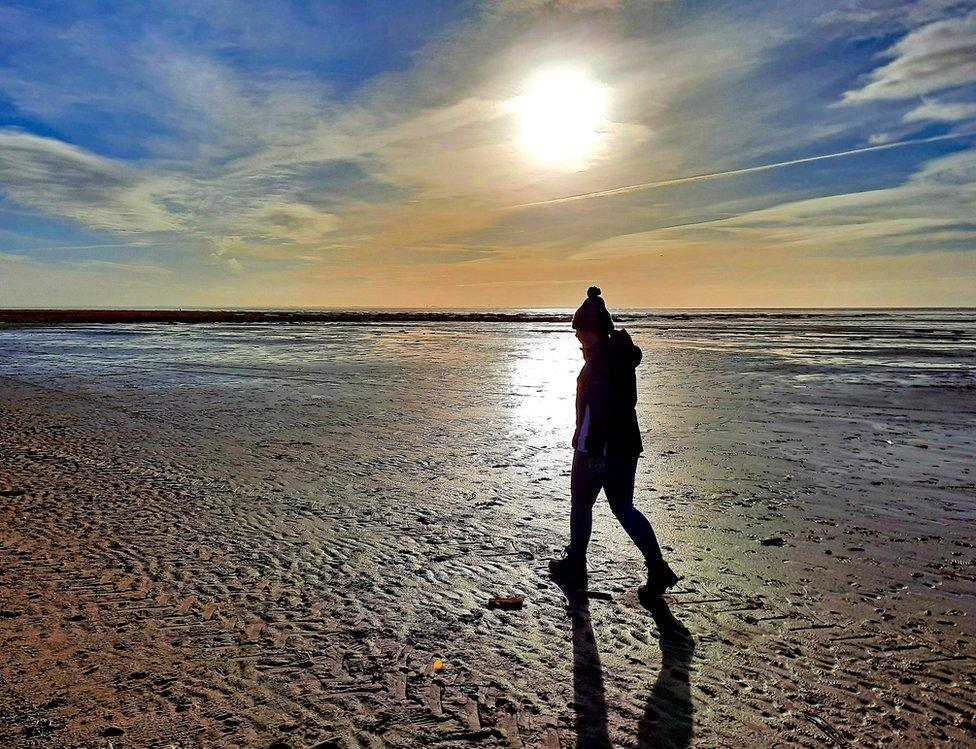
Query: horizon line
[[429, 308]]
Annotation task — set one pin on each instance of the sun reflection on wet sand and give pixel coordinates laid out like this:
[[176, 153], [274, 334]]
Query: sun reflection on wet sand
[[542, 378]]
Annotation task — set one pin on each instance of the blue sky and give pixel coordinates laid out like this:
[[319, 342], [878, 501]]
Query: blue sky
[[374, 154]]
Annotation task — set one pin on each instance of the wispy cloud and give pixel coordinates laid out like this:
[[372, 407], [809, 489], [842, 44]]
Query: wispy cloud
[[938, 56], [151, 269], [931, 110], [62, 179]]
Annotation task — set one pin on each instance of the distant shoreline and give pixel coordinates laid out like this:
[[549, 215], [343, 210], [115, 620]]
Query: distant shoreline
[[42, 317], [59, 317]]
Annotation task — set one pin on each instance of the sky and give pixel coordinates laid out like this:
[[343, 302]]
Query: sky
[[503, 153]]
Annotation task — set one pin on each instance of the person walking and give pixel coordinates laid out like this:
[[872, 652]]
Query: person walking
[[607, 444]]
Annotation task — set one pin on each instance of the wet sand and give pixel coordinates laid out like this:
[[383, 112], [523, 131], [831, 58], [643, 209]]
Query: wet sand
[[277, 560]]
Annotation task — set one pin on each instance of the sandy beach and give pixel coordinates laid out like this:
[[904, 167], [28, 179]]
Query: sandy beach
[[240, 534]]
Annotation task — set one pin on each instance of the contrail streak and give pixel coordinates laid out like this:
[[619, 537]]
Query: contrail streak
[[733, 172]]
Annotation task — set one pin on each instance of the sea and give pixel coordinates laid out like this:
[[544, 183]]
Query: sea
[[458, 348]]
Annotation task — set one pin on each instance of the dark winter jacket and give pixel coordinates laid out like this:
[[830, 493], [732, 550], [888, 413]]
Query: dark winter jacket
[[608, 385]]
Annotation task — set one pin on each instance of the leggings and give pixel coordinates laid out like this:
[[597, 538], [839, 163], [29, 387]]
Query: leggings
[[615, 475]]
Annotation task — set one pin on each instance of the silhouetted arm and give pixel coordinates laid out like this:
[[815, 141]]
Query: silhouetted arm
[[600, 401]]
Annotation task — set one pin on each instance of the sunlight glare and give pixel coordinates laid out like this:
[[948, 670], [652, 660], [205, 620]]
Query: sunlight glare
[[542, 373], [563, 117]]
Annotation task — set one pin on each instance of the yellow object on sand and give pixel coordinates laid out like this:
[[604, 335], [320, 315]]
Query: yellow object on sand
[[438, 664]]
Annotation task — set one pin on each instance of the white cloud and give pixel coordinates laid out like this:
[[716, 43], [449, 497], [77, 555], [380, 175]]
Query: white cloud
[[221, 258], [61, 179], [938, 56], [880, 17], [933, 110]]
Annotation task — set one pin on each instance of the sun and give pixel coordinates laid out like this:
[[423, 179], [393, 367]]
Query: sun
[[563, 118]]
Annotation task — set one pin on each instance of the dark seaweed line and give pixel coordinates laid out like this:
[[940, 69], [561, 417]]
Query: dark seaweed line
[[35, 317]]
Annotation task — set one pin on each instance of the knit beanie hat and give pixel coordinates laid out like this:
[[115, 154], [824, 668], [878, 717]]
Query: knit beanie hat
[[592, 314]]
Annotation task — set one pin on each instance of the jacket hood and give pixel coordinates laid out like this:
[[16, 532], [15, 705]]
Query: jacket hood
[[623, 349]]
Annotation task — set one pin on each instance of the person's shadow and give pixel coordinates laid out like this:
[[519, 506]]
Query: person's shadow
[[668, 712], [589, 697], [667, 718]]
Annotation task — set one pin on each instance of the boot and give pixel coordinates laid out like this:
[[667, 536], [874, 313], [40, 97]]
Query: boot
[[660, 577], [570, 571]]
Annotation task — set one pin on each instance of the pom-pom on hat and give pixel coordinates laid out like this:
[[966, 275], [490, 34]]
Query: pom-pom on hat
[[592, 314]]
